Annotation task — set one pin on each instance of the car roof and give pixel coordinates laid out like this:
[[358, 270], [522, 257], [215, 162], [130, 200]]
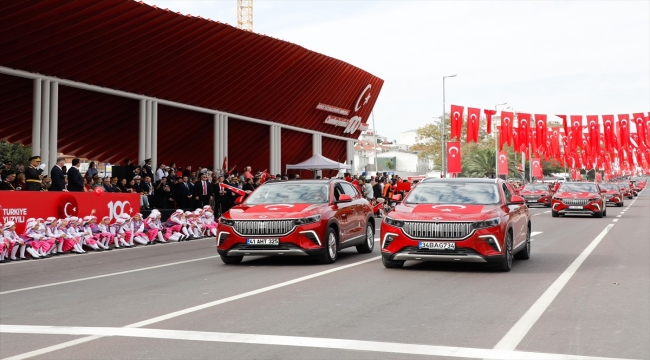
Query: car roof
[[460, 180]]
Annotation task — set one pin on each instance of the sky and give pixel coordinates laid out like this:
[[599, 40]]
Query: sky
[[544, 57]]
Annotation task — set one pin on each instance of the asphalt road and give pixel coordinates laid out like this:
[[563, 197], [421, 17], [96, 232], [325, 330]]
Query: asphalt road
[[584, 292]]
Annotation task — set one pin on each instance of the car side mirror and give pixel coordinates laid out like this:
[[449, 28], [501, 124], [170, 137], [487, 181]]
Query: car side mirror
[[239, 200], [397, 197], [516, 200], [344, 198]]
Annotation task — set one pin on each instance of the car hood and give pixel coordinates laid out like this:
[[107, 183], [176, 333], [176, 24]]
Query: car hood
[[577, 195], [442, 212], [615, 192], [273, 211]]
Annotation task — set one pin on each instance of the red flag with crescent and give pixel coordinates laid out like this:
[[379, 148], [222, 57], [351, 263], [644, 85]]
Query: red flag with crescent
[[456, 121], [639, 121], [594, 133], [453, 158], [608, 131], [506, 126], [598, 176], [233, 189], [515, 137], [564, 124], [503, 163], [473, 124], [576, 130], [542, 132], [524, 131], [537, 168], [488, 117], [624, 135]]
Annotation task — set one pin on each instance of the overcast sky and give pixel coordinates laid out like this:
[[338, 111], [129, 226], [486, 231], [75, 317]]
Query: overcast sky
[[549, 57]]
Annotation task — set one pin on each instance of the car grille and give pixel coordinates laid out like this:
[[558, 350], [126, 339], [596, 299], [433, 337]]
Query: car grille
[[264, 228], [575, 201], [532, 197], [437, 230]]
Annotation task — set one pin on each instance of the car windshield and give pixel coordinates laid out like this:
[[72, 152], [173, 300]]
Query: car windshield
[[535, 187], [578, 187], [454, 193], [609, 186], [624, 186], [288, 193]]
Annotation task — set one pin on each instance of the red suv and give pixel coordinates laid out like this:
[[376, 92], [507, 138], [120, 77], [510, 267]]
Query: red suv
[[627, 191], [579, 198], [302, 218], [471, 220], [536, 194], [613, 194]]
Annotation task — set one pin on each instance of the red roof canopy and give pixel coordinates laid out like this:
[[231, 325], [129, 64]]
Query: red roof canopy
[[134, 47]]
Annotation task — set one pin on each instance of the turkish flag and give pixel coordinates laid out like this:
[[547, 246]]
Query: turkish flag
[[574, 174], [233, 189], [506, 126], [503, 163], [542, 132], [555, 142], [576, 130], [624, 135], [537, 168], [524, 131], [564, 124], [453, 157], [639, 121], [488, 117], [502, 136], [598, 176], [515, 138], [608, 131], [456, 121], [473, 124], [594, 132], [224, 167]]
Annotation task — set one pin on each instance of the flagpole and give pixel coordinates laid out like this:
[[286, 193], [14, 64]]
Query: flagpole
[[443, 170], [496, 143]]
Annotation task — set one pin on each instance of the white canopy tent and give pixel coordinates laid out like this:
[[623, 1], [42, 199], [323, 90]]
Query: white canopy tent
[[318, 162]]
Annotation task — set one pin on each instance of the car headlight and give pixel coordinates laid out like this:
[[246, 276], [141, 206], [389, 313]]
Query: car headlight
[[227, 222], [486, 223], [393, 222], [307, 220]]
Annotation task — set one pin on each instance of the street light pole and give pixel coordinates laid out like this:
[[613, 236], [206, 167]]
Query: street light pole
[[374, 129], [443, 170], [496, 143]]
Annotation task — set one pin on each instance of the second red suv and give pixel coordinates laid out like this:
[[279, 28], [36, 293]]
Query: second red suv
[[579, 198], [297, 218]]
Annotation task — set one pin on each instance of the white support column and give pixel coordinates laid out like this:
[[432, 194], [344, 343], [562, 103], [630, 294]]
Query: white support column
[[45, 126], [220, 150], [317, 148], [147, 146], [36, 118], [276, 150], [350, 155], [154, 135], [142, 135], [224, 135], [54, 122]]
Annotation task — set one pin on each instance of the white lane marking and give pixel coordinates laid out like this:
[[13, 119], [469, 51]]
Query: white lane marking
[[618, 216], [547, 211], [92, 252], [514, 336], [192, 309], [615, 220], [106, 275], [533, 233], [298, 341]]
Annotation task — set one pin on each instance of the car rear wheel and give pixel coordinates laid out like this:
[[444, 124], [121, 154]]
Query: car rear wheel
[[369, 244], [555, 213], [331, 247], [390, 264], [524, 254], [506, 263], [231, 260]]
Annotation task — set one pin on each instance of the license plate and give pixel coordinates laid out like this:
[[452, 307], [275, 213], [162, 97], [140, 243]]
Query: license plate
[[262, 241], [433, 245], [531, 201], [575, 207]]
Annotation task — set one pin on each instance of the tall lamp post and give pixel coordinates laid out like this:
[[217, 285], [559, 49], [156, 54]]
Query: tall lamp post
[[496, 142], [443, 171]]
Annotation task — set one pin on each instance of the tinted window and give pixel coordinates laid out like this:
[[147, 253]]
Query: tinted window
[[289, 193], [535, 187], [609, 186], [349, 190], [453, 193], [507, 193], [578, 187]]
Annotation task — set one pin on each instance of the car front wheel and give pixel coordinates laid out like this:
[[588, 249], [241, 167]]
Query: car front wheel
[[369, 243], [506, 263], [331, 247], [524, 254]]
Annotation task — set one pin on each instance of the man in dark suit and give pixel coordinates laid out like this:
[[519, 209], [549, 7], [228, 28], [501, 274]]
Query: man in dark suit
[[185, 190], [203, 191], [75, 180], [146, 169], [58, 176]]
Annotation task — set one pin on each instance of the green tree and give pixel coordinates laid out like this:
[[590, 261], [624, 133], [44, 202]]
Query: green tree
[[16, 153], [390, 165]]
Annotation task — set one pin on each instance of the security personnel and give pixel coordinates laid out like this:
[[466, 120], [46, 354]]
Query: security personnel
[[33, 174], [7, 183]]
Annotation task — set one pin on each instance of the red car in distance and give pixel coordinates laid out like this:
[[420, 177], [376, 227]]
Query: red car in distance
[[297, 218], [579, 198], [536, 194], [613, 194], [457, 220], [627, 191]]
